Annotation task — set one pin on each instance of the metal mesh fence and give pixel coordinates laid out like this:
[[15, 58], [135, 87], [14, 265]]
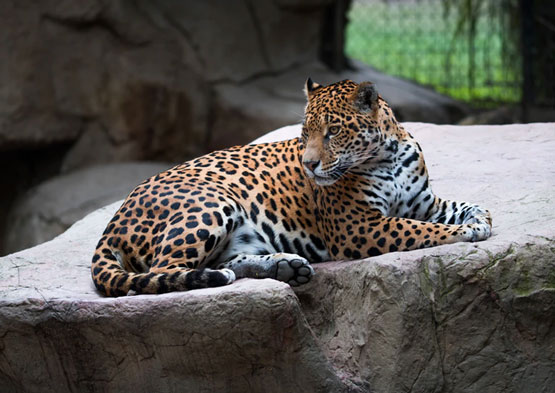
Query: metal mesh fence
[[426, 41]]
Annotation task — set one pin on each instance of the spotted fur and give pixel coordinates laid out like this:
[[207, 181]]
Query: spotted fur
[[355, 185]]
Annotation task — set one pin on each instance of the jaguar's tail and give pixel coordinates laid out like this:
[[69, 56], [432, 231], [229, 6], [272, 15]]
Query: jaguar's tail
[[111, 279]]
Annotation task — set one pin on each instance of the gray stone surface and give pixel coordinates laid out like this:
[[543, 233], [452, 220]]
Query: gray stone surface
[[53, 206], [456, 318]]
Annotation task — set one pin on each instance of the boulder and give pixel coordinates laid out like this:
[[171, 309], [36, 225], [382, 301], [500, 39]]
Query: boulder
[[51, 207], [465, 317]]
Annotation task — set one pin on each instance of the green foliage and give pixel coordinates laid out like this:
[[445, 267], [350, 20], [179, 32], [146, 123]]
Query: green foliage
[[463, 48]]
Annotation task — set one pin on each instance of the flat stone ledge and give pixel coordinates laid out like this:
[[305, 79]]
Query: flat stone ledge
[[456, 318]]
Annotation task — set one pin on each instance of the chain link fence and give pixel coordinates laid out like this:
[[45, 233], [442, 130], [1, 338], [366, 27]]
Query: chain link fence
[[469, 57]]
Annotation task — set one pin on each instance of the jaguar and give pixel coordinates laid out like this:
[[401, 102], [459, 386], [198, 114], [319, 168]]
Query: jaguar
[[353, 185]]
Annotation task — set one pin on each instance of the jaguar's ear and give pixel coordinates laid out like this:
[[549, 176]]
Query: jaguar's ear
[[310, 87], [365, 97]]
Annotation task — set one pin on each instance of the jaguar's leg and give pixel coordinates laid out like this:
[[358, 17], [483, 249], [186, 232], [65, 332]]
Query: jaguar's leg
[[289, 268], [387, 234], [453, 212]]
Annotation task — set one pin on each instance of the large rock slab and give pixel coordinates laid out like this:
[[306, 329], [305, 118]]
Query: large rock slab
[[456, 318]]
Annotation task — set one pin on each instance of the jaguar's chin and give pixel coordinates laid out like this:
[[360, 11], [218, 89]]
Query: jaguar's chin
[[324, 181], [320, 180]]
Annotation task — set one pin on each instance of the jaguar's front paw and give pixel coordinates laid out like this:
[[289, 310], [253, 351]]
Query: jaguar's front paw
[[478, 232], [488, 219], [479, 216], [229, 274], [294, 270]]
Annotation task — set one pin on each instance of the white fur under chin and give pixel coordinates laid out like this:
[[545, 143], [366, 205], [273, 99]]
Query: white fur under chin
[[324, 181], [319, 180]]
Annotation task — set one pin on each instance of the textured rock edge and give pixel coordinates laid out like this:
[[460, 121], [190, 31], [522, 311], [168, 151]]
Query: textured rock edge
[[425, 324], [465, 318], [251, 336]]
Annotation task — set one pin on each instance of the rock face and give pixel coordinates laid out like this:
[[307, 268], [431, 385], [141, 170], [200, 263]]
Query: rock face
[[456, 318], [50, 208]]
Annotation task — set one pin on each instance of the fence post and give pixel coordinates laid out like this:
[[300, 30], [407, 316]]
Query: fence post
[[332, 50]]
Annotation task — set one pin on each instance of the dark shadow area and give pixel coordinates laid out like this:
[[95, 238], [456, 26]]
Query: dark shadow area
[[22, 170]]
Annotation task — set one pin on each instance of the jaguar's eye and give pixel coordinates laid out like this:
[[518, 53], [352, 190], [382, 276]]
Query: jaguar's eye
[[333, 130]]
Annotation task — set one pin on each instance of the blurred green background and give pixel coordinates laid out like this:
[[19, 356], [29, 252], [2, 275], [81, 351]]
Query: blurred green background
[[467, 49]]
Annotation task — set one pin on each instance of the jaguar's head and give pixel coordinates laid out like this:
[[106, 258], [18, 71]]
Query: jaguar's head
[[341, 128]]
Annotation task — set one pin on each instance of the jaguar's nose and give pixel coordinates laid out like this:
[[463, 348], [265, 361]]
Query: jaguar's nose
[[311, 165]]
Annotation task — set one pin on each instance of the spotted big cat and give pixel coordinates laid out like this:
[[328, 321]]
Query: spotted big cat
[[354, 185]]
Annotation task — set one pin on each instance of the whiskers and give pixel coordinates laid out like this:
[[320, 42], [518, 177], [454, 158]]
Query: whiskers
[[339, 170], [344, 166], [301, 116]]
